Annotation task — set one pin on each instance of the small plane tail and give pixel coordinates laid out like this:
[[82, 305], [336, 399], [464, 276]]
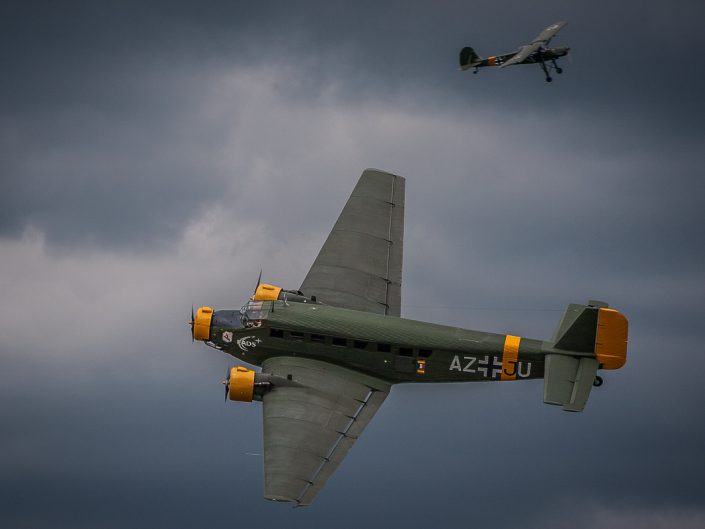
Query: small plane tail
[[468, 58], [589, 337]]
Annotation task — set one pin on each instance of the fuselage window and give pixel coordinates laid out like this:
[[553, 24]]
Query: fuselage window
[[424, 353], [341, 342], [405, 351], [276, 333], [384, 347], [296, 335], [359, 344], [318, 338]]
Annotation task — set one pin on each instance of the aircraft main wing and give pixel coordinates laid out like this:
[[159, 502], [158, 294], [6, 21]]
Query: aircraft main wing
[[310, 425], [541, 41], [547, 34], [359, 266]]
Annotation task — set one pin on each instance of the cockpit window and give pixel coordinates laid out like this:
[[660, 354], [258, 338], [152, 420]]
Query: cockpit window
[[252, 314], [226, 319]]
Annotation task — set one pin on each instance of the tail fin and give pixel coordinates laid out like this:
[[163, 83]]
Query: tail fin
[[588, 338], [468, 58]]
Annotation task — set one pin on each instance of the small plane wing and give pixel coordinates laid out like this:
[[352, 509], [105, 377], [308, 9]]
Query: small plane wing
[[310, 425], [547, 34], [359, 266], [541, 41]]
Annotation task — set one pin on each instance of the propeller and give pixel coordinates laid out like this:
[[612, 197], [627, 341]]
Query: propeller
[[192, 323], [226, 383], [259, 280]]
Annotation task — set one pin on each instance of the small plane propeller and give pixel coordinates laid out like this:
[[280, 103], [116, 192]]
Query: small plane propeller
[[192, 323]]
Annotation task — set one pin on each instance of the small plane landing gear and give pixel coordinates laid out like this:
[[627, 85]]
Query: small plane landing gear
[[545, 70], [598, 381], [558, 69]]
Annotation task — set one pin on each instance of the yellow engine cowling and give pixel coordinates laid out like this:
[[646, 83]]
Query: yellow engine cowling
[[202, 324], [241, 385], [266, 292]]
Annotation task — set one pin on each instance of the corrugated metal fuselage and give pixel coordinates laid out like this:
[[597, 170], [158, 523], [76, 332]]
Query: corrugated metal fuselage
[[387, 347]]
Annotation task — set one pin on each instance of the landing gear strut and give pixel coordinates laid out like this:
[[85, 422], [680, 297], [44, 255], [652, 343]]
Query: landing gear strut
[[548, 67], [545, 70], [598, 381]]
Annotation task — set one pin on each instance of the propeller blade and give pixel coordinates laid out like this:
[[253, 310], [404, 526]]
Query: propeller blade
[[259, 279], [226, 383], [193, 322]]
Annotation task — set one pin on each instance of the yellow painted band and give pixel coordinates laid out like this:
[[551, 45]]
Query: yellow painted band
[[510, 357]]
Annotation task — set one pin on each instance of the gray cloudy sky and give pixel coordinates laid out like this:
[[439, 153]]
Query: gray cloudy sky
[[155, 155]]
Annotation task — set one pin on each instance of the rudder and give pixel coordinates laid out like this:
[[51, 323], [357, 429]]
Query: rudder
[[588, 338], [468, 58]]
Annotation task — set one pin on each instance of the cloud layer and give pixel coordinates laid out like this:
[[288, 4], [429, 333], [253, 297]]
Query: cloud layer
[[157, 157]]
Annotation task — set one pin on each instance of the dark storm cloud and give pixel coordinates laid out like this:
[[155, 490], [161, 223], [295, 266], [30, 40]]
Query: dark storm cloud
[[225, 137], [103, 140]]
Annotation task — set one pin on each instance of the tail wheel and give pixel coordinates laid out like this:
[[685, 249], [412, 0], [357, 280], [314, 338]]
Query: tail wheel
[[598, 381]]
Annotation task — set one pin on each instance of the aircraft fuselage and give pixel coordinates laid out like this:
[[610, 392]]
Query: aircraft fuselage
[[391, 348], [548, 54]]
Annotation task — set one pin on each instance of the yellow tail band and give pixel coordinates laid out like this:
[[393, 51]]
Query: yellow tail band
[[611, 339]]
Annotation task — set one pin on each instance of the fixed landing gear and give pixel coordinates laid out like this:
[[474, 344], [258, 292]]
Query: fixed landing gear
[[547, 69], [476, 69], [598, 381]]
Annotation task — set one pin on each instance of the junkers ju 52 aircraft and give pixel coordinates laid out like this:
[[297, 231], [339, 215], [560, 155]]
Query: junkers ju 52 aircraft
[[331, 350], [537, 52]]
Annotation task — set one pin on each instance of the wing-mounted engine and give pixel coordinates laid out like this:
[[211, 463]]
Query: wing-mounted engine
[[245, 385], [265, 292]]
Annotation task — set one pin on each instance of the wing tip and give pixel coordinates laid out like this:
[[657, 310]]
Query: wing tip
[[381, 172]]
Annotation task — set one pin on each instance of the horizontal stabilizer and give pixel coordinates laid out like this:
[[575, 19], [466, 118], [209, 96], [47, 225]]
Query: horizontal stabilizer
[[568, 381]]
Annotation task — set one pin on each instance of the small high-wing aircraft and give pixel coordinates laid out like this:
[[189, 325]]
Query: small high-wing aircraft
[[331, 350], [537, 52]]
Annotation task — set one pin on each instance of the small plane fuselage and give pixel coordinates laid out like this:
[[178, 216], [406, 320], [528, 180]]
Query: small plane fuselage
[[549, 54]]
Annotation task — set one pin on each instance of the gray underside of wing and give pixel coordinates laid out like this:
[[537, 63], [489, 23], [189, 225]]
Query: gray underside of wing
[[547, 34], [309, 426], [359, 266], [522, 54], [540, 41]]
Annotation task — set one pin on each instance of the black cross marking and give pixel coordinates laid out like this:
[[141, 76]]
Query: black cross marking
[[488, 365]]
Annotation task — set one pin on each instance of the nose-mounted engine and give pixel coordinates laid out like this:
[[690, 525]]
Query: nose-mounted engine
[[201, 324], [245, 385]]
